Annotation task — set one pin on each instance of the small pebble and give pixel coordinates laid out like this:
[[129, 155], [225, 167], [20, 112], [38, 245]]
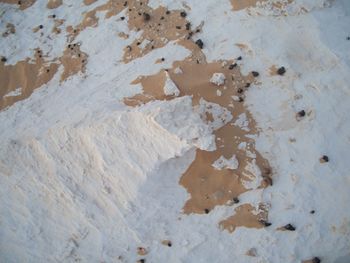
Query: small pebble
[[125, 3], [53, 16], [301, 113], [247, 85], [162, 18], [239, 58], [232, 66], [183, 14], [47, 70], [289, 227], [281, 71], [324, 159], [162, 59], [206, 211], [167, 12], [19, 2], [265, 223], [188, 26], [199, 43], [41, 26], [235, 200], [141, 251], [240, 90], [348, 38], [316, 260], [141, 261], [312, 212], [178, 27], [122, 18], [146, 17], [240, 99], [3, 59], [255, 73]]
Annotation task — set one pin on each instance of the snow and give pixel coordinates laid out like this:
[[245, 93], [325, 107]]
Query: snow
[[218, 79], [14, 93], [83, 177], [170, 87], [223, 163]]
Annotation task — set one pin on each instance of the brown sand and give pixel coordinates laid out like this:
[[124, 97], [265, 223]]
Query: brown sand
[[89, 2], [27, 75], [56, 28], [10, 29], [245, 215], [52, 4], [73, 61], [24, 4], [242, 4]]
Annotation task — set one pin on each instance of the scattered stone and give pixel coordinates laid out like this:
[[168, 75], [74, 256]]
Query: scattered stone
[[235, 200], [348, 38], [41, 26], [162, 18], [240, 90], [206, 211], [247, 85], [312, 212], [141, 251], [255, 73], [301, 113], [178, 27], [316, 260], [188, 26], [53, 16], [289, 227], [252, 252], [167, 243], [141, 260], [324, 159], [146, 17], [183, 14], [199, 43], [125, 3], [122, 18], [239, 58], [162, 59], [265, 223], [218, 79], [48, 70], [3, 59], [232, 66], [167, 12], [240, 99], [281, 71]]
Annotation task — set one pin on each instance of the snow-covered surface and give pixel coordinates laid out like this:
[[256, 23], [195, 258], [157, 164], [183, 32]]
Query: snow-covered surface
[[83, 177], [218, 79]]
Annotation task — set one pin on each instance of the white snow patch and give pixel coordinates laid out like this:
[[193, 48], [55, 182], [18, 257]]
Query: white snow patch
[[170, 87], [218, 79], [223, 163]]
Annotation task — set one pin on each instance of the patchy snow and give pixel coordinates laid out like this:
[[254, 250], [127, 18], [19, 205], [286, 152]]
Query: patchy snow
[[14, 93], [85, 178], [223, 163], [218, 79]]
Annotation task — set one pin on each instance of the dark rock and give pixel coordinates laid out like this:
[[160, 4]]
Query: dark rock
[[162, 59], [183, 14], [167, 12], [289, 227], [53, 16], [312, 212], [199, 43], [3, 59], [239, 58], [162, 18], [235, 200], [265, 223], [41, 26], [240, 99], [125, 3], [146, 17], [240, 90], [19, 2], [255, 73], [281, 71], [206, 211], [178, 27], [301, 113], [325, 158], [316, 260], [122, 17], [247, 85], [232, 66], [188, 26]]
